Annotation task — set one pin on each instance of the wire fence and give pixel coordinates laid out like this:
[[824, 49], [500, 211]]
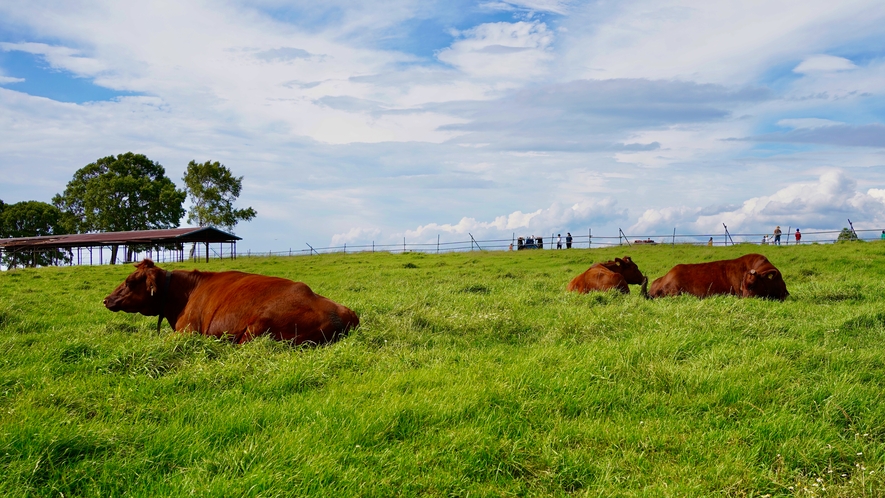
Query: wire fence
[[585, 241], [579, 241]]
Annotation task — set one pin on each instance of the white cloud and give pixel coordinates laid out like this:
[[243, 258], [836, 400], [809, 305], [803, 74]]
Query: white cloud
[[9, 79], [824, 64], [60, 57], [501, 50], [355, 234], [827, 202], [728, 41], [556, 218]]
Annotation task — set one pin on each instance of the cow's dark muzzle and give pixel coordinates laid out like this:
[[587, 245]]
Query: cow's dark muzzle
[[111, 303]]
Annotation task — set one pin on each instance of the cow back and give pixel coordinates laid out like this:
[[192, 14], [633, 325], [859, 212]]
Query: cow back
[[731, 277]]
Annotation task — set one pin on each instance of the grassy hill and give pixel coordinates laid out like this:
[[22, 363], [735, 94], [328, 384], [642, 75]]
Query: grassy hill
[[472, 374]]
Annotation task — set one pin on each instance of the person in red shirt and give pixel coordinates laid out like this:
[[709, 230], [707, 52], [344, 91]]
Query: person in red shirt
[[798, 236]]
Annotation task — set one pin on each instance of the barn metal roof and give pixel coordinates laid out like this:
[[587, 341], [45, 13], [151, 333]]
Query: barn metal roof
[[171, 235]]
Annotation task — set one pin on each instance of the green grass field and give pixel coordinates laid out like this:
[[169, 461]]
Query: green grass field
[[472, 374]]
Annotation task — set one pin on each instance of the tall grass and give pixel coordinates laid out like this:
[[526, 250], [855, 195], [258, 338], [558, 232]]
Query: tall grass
[[472, 374]]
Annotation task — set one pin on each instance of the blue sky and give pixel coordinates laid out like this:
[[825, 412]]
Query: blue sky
[[354, 122]]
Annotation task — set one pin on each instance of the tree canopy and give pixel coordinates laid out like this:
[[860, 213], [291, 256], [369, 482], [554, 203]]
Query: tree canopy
[[212, 189], [846, 235], [31, 219], [122, 193]]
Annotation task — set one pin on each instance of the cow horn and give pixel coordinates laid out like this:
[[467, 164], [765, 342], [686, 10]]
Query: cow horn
[[153, 289]]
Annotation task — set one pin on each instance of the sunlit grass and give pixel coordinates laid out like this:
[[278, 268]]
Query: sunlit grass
[[471, 374]]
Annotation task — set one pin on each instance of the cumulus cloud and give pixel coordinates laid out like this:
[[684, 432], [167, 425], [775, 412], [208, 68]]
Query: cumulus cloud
[[356, 234], [824, 64], [556, 218], [826, 203], [9, 79]]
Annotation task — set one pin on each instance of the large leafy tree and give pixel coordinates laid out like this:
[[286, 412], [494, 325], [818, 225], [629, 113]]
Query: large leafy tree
[[122, 193], [212, 189], [31, 219]]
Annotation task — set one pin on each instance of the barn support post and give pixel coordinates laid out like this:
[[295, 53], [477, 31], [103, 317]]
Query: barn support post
[[207, 252]]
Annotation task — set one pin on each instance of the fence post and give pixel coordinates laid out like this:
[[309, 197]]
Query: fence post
[[674, 236], [589, 238], [404, 244], [437, 243]]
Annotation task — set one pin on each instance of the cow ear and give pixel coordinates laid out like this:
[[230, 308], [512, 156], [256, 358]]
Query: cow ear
[[151, 281]]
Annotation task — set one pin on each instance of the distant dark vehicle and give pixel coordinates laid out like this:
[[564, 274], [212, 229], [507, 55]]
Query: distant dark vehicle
[[646, 241], [529, 243]]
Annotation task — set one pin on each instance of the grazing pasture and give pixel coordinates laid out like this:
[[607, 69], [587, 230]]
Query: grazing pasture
[[472, 374]]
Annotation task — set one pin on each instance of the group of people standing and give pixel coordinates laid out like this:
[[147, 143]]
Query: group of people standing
[[568, 240], [776, 237]]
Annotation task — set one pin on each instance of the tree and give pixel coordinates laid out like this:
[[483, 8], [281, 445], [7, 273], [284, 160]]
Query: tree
[[122, 193], [31, 219], [213, 189], [115, 194], [846, 235]]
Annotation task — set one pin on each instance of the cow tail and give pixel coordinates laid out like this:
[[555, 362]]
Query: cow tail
[[644, 289]]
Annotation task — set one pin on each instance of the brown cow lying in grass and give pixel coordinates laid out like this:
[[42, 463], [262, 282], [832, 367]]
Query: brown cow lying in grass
[[751, 275], [231, 303], [609, 275]]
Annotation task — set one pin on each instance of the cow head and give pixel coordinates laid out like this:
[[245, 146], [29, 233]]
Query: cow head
[[628, 269], [765, 283], [139, 293]]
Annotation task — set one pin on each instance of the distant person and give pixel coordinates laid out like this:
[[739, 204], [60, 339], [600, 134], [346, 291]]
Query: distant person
[[777, 235], [559, 241], [799, 236], [883, 235], [710, 242], [568, 239], [540, 242], [765, 240]]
